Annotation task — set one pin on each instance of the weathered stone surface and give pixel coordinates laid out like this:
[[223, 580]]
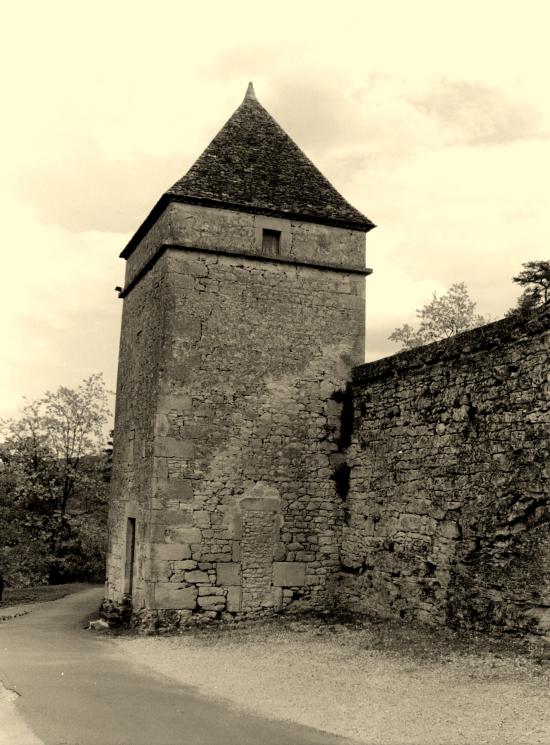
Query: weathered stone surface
[[169, 402], [289, 574], [448, 505], [174, 488], [175, 596], [189, 535], [201, 518], [197, 577], [209, 590], [277, 597], [211, 602], [170, 447], [259, 503], [228, 574], [172, 551], [234, 599]]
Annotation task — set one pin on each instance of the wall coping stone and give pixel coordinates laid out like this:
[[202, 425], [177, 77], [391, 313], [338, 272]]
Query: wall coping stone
[[478, 339]]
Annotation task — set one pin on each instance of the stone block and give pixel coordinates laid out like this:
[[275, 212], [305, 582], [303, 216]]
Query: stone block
[[164, 503], [160, 468], [170, 447], [232, 522], [449, 530], [160, 570], [162, 425], [228, 574], [236, 551], [201, 518], [289, 574], [198, 268], [209, 590], [261, 496], [234, 599], [169, 517], [211, 602], [306, 556], [171, 596], [196, 576], [277, 597], [260, 504], [279, 551], [189, 535], [176, 489], [175, 402], [172, 551]]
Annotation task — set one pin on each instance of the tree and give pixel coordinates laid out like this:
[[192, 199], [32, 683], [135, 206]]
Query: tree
[[53, 486], [535, 278], [441, 318]]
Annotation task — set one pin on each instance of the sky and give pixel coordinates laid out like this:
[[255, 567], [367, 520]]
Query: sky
[[432, 118]]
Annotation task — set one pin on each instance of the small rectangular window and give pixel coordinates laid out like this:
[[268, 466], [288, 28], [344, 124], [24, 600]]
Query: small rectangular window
[[271, 242]]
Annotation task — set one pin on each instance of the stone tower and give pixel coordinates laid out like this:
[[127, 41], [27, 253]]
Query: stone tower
[[243, 315]]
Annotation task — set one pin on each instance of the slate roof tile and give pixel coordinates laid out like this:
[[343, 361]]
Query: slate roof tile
[[252, 165]]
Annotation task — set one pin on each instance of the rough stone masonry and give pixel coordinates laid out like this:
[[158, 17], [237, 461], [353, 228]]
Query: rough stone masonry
[[258, 467], [447, 515]]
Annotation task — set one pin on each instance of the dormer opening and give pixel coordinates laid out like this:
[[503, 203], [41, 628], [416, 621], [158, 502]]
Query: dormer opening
[[271, 242]]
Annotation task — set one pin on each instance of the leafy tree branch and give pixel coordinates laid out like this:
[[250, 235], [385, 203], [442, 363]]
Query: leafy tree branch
[[54, 469], [441, 318]]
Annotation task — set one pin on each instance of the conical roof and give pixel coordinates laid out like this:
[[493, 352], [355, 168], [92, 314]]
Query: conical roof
[[252, 165]]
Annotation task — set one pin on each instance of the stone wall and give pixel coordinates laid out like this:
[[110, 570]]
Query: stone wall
[[231, 380], [447, 514], [137, 394], [240, 233]]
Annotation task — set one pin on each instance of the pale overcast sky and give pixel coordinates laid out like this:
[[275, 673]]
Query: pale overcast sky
[[432, 118]]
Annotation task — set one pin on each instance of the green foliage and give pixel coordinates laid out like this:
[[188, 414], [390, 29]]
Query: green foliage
[[38, 593], [54, 474], [535, 278], [441, 318]]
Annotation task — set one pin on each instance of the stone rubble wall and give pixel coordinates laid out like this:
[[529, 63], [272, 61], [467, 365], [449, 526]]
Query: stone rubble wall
[[447, 514]]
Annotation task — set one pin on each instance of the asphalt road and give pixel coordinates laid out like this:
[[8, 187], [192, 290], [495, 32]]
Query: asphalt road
[[75, 688]]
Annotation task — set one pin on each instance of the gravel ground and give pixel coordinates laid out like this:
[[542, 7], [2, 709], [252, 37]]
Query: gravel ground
[[380, 684]]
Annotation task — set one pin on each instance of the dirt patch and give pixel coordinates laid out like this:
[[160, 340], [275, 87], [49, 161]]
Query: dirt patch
[[378, 683]]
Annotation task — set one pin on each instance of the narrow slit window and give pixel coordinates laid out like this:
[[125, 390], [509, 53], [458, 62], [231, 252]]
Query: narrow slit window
[[130, 555], [271, 240]]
